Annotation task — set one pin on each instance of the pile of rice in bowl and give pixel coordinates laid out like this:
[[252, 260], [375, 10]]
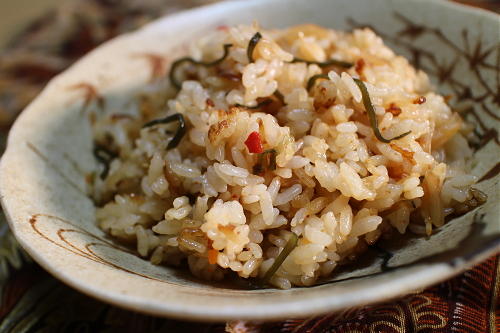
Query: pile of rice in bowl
[[280, 155]]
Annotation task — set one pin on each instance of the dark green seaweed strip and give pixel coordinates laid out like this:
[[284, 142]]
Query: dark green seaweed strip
[[181, 130], [331, 62], [272, 158], [180, 61], [372, 116], [259, 166], [290, 245], [314, 78], [252, 44], [103, 156], [265, 102]]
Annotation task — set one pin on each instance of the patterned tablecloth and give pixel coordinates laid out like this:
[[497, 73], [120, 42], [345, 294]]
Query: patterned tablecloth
[[33, 301]]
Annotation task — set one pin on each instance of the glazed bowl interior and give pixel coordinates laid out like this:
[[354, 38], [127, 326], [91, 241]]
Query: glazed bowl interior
[[49, 156]]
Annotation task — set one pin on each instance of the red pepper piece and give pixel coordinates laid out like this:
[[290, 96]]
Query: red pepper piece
[[254, 143]]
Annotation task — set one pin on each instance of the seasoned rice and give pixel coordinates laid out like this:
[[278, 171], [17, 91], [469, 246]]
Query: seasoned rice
[[254, 168]]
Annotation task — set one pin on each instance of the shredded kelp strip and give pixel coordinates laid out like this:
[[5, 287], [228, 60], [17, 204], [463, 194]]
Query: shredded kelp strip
[[331, 62], [277, 94], [251, 47], [272, 159], [252, 44], [103, 156], [180, 61], [290, 245], [372, 115], [179, 134], [314, 78], [271, 163]]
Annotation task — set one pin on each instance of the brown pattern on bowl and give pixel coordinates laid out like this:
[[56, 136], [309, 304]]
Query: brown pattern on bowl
[[49, 153]]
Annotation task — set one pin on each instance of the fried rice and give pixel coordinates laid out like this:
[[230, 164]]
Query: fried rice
[[268, 157]]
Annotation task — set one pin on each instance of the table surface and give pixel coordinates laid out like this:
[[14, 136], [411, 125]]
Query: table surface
[[31, 300]]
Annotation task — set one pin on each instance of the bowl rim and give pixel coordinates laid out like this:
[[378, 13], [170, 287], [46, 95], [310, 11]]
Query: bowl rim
[[202, 312]]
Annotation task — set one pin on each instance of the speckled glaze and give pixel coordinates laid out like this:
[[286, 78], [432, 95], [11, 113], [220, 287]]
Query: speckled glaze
[[42, 173]]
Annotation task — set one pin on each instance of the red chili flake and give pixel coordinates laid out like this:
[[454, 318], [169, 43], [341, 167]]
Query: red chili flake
[[394, 109], [210, 102], [360, 64], [420, 100], [254, 143]]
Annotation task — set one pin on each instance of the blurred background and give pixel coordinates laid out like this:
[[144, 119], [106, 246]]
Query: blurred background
[[39, 39], [17, 14]]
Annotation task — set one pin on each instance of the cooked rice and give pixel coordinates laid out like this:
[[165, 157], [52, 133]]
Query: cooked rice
[[335, 185]]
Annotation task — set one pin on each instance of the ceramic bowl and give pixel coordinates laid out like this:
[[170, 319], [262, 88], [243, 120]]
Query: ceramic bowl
[[49, 153]]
